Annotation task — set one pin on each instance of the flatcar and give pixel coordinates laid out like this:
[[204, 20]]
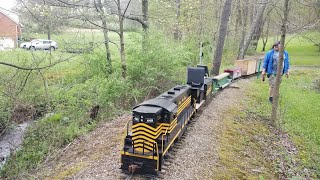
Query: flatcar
[[158, 123]]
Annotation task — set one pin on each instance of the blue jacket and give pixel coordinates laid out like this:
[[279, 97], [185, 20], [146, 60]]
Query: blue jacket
[[267, 63]]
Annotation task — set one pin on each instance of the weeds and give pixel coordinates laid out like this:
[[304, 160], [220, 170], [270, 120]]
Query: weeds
[[73, 88], [299, 115]]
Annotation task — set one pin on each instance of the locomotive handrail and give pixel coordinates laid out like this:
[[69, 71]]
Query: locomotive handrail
[[126, 132], [162, 138], [127, 125], [133, 146], [155, 146]]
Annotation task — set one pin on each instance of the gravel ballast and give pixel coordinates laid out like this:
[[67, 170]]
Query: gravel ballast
[[97, 154]]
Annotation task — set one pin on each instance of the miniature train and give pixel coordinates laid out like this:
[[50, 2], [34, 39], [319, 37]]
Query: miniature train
[[158, 123]]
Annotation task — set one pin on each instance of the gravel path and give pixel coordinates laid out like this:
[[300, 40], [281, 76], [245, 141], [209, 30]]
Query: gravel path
[[96, 155], [197, 157]]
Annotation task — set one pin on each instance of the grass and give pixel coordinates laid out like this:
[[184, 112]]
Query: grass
[[249, 148], [78, 84], [299, 112], [302, 52], [243, 143], [299, 99], [246, 138], [70, 89]]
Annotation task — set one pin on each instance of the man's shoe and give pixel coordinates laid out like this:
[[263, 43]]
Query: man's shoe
[[270, 99]]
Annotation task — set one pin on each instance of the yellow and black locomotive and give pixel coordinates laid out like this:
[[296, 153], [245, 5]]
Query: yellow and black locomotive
[[158, 123]]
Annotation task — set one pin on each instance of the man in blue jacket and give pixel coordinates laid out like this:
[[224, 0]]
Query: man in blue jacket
[[270, 66]]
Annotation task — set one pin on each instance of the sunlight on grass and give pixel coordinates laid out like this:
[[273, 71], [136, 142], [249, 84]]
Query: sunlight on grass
[[301, 50], [300, 111]]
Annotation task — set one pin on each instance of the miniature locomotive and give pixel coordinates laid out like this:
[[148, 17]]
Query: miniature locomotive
[[158, 123]]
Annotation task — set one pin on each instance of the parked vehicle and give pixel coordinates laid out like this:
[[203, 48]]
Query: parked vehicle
[[25, 45], [40, 44]]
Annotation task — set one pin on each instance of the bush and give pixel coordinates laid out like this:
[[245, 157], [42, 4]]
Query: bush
[[161, 65], [40, 141], [4, 114]]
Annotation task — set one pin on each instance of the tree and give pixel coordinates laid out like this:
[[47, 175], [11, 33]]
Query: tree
[[256, 23], [122, 50], [145, 15], [177, 33], [226, 11], [244, 24], [280, 63], [265, 36], [46, 14], [144, 21], [105, 30]]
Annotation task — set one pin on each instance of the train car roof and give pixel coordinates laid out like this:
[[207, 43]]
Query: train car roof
[[166, 100], [174, 93], [147, 109], [159, 102]]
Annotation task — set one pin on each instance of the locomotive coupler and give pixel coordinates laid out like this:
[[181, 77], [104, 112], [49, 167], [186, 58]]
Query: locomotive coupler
[[133, 167]]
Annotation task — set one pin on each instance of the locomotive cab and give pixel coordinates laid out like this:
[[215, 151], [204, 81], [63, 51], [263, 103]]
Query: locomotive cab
[[156, 124], [149, 115], [201, 86]]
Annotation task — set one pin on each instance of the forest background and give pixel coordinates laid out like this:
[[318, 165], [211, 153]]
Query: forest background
[[115, 54]]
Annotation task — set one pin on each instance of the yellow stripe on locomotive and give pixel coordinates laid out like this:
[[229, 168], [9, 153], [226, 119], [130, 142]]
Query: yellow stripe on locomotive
[[151, 136], [159, 122]]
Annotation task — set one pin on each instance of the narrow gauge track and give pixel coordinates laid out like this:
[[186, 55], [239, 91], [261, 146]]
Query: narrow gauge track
[[133, 176]]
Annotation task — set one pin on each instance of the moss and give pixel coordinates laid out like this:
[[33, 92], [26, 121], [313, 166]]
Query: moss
[[241, 151], [71, 170]]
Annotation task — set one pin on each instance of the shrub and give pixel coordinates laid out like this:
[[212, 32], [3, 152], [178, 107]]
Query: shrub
[[159, 66]]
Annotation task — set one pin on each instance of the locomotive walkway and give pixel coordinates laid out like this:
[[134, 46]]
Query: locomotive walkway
[[96, 155]]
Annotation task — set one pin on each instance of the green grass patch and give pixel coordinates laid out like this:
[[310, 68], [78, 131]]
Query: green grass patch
[[302, 52], [299, 112], [41, 141], [70, 89], [242, 147]]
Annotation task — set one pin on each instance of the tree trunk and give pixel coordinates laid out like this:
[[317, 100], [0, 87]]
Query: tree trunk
[[256, 23], [226, 11], [177, 33], [145, 15], [257, 34], [251, 12], [145, 24], [244, 25], [122, 50], [105, 34], [201, 16], [280, 64], [49, 32], [264, 41], [238, 18]]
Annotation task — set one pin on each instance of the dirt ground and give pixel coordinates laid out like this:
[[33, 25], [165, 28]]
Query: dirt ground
[[96, 155]]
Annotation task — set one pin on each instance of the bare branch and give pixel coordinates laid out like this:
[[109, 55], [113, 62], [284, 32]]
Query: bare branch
[[32, 68], [124, 12], [95, 24], [135, 19], [114, 44], [25, 82]]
